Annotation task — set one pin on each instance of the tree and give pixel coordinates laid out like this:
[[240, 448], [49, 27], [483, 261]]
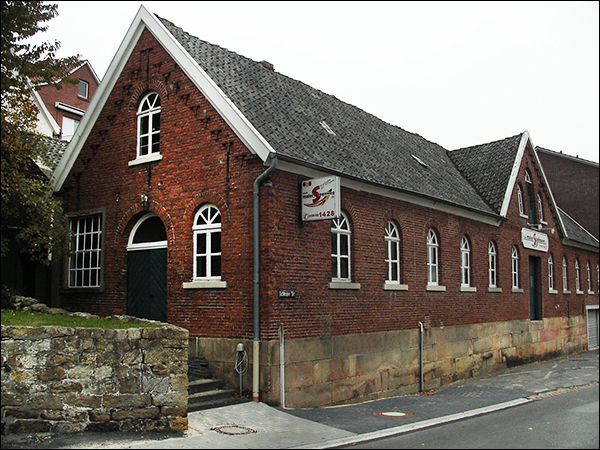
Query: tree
[[32, 219]]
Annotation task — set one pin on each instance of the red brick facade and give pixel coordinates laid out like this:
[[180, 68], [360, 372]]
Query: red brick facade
[[203, 161]]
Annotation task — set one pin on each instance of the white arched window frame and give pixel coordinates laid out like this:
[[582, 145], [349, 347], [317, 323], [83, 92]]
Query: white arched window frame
[[492, 265], [550, 274], [148, 121], [143, 240], [589, 278], [207, 244], [577, 277], [515, 267], [520, 199], [340, 249], [432, 259], [392, 253], [565, 275], [465, 262]]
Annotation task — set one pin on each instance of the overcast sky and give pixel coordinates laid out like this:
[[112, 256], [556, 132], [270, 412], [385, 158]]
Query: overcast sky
[[457, 73]]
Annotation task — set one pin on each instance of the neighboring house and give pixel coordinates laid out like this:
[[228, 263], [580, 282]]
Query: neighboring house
[[61, 107], [186, 185], [60, 111], [575, 184]]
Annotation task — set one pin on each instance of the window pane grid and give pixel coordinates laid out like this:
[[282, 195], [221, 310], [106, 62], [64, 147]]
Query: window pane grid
[[85, 258], [207, 237]]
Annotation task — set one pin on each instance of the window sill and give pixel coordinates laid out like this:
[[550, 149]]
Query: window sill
[[435, 288], [145, 159], [494, 289], [566, 292], [395, 287], [468, 289], [590, 292], [214, 284], [517, 291], [343, 285], [552, 291], [579, 292]]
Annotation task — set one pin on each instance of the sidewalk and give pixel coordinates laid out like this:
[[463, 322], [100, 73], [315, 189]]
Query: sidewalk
[[257, 425]]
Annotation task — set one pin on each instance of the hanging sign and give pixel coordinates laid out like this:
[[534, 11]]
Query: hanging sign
[[534, 240], [320, 198]]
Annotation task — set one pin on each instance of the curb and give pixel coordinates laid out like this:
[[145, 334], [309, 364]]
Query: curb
[[416, 426]]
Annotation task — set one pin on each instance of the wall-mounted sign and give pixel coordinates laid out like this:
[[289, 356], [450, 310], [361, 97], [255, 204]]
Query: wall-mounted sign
[[534, 240], [320, 198], [286, 293]]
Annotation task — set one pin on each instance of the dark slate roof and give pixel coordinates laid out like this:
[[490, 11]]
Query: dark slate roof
[[52, 151], [576, 232], [488, 167], [290, 115]]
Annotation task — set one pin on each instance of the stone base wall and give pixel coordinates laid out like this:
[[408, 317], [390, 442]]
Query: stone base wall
[[59, 379], [360, 367]]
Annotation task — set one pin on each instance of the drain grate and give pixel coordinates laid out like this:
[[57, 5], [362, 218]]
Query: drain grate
[[233, 430], [393, 414]]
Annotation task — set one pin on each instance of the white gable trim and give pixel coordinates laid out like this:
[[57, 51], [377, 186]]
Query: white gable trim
[[44, 115], [230, 113], [513, 174]]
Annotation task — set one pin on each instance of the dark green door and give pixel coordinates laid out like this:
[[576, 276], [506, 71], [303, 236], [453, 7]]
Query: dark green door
[[534, 288], [147, 284]]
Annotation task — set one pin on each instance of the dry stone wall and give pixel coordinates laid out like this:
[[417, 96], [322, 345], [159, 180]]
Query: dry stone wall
[[66, 380]]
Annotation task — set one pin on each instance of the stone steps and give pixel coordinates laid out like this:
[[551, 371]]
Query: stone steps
[[205, 392]]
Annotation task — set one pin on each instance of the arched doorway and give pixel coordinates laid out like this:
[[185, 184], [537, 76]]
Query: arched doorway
[[147, 269]]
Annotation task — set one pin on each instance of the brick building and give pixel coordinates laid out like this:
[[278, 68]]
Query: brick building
[[186, 191], [61, 107]]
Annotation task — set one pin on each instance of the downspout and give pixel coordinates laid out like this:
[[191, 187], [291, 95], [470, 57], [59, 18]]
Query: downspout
[[256, 339], [421, 350]]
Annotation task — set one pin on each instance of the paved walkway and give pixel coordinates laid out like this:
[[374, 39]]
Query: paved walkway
[[257, 425]]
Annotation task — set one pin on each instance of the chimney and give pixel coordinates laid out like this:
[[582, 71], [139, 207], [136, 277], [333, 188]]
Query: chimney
[[268, 65]]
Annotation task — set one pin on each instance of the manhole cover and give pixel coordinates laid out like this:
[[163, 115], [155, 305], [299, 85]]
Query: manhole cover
[[233, 429], [393, 414]]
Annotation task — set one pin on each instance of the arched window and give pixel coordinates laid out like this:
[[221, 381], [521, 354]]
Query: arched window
[[564, 275], [530, 198], [432, 258], [515, 268], [392, 253], [550, 273], [340, 249], [207, 243], [577, 277], [149, 125], [465, 262], [589, 277], [492, 265], [520, 199]]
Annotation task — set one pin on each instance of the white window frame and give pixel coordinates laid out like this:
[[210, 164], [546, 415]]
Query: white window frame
[[86, 85], [149, 110], [514, 257], [540, 209], [565, 276], [340, 232], [551, 288], [84, 269], [577, 277], [465, 262], [392, 253], [492, 265], [589, 278], [520, 200], [207, 223], [433, 275]]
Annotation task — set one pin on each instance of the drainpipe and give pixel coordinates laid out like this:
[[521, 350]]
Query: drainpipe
[[421, 356], [256, 340]]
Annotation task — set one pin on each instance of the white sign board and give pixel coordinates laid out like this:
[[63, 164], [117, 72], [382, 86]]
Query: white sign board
[[320, 198], [534, 240]]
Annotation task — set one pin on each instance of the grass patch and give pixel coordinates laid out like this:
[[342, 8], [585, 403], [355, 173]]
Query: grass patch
[[37, 319]]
